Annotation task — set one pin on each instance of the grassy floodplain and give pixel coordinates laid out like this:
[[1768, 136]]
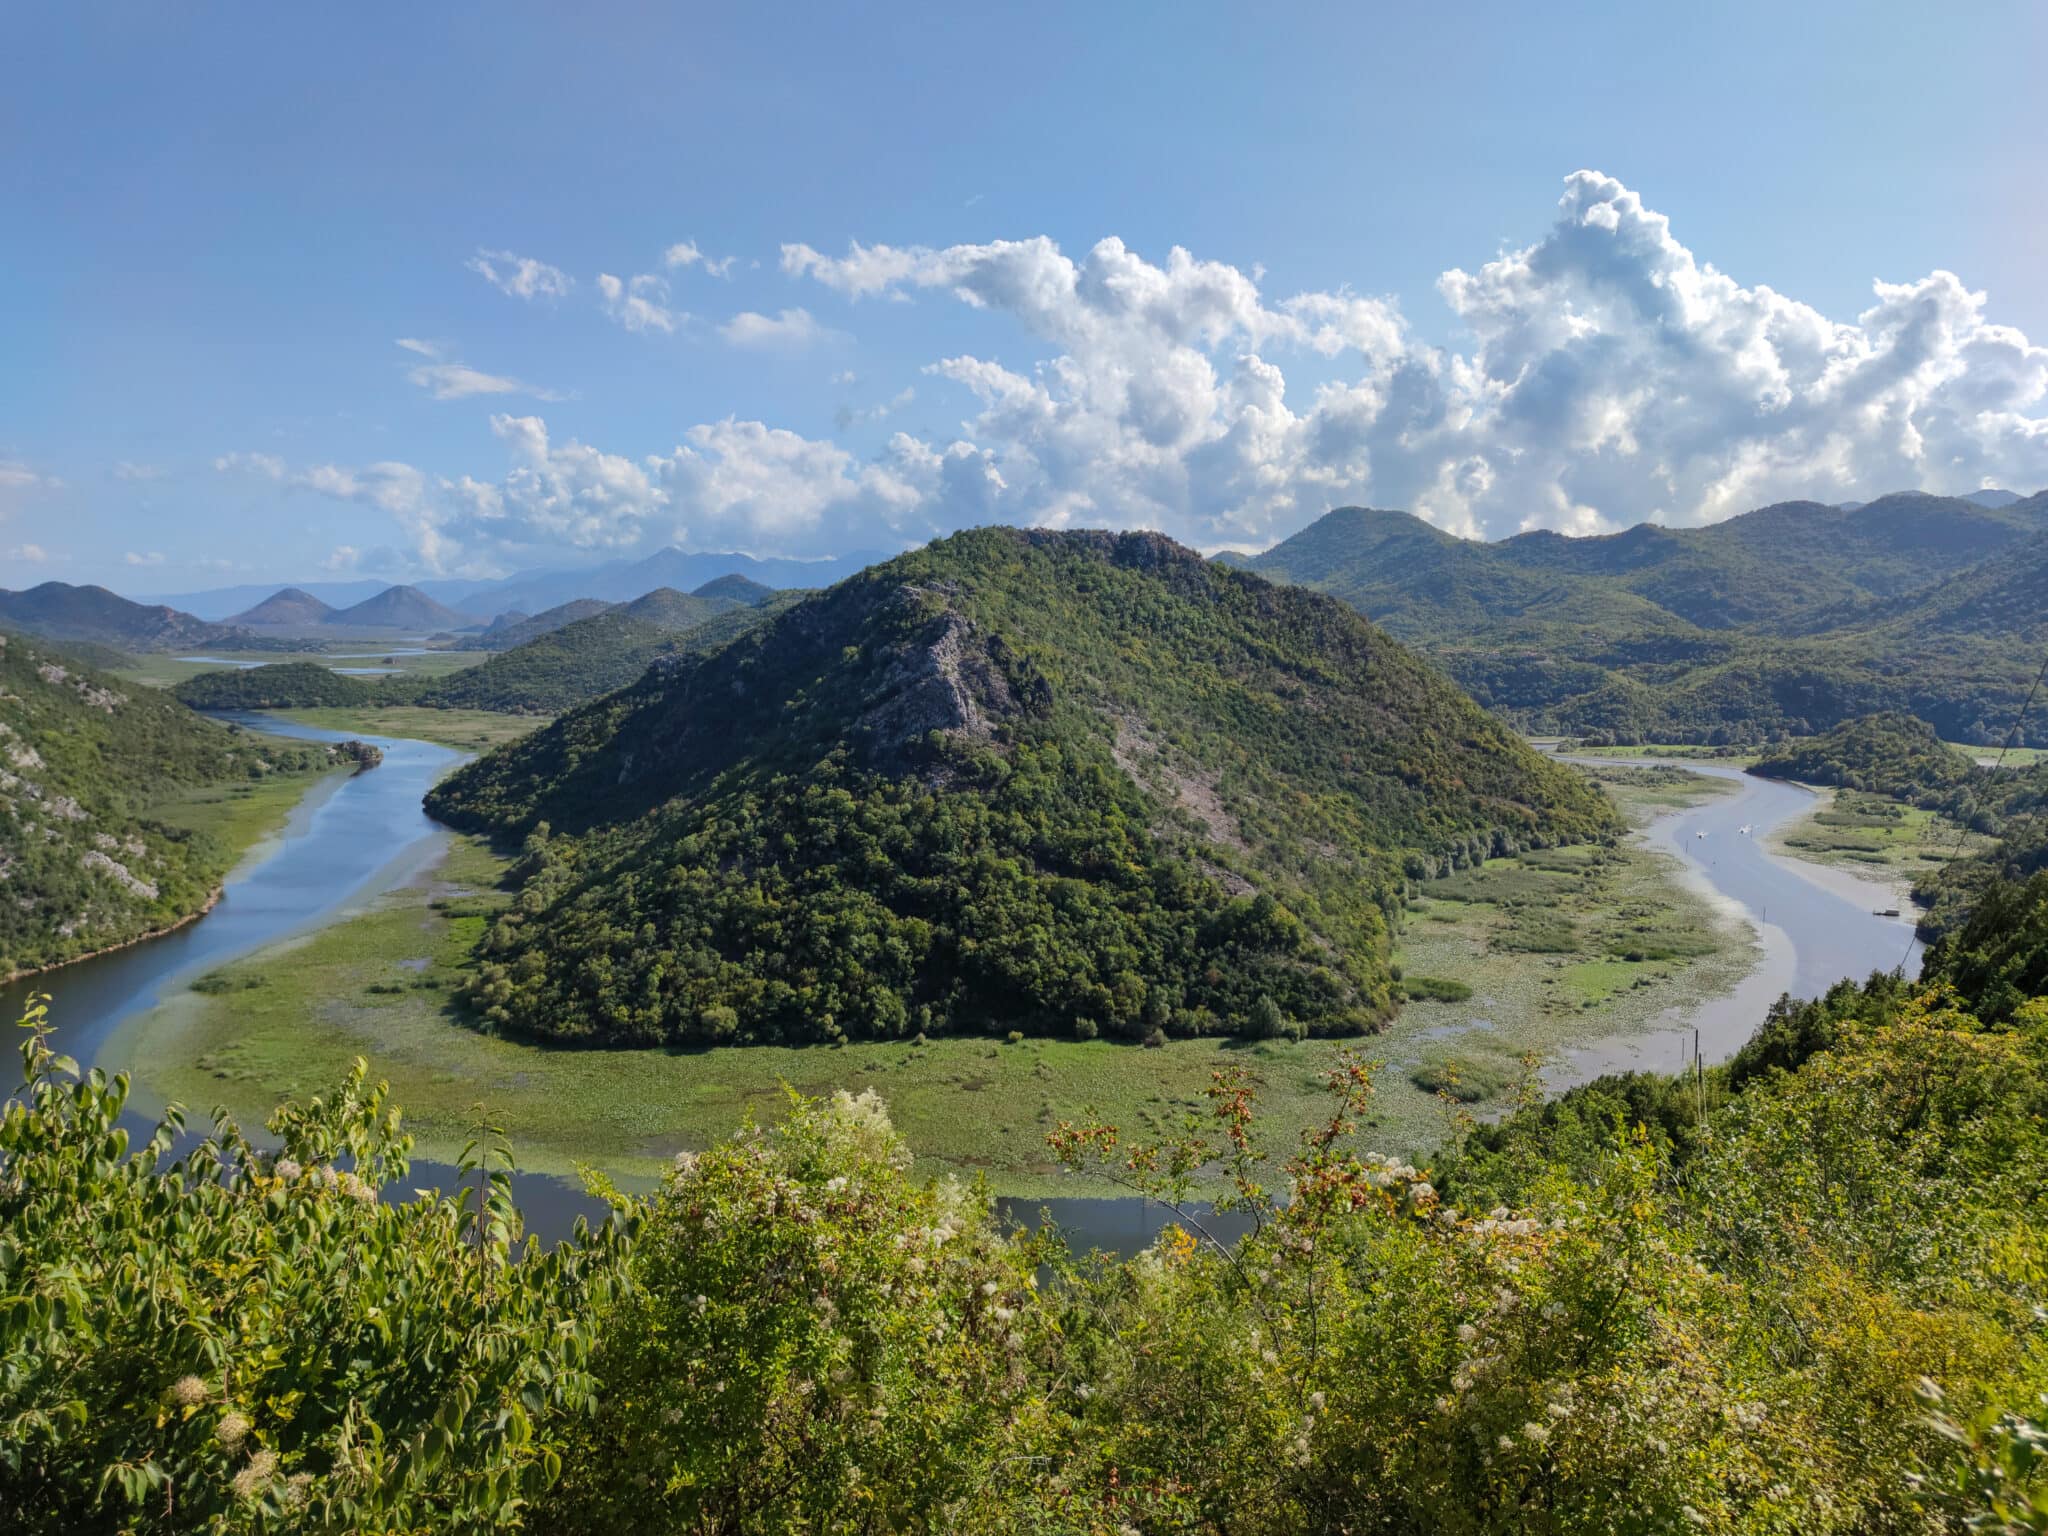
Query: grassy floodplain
[[1543, 942], [1733, 757], [1876, 836], [467, 730], [240, 814]]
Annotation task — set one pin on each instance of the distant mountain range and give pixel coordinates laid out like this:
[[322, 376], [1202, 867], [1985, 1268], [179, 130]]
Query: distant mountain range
[[532, 592], [1785, 620], [58, 611]]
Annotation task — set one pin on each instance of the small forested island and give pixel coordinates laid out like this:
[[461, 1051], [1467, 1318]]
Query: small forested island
[[365, 755]]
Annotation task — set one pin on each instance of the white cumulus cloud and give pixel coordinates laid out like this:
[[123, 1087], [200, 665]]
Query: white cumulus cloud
[[790, 330], [1606, 375], [520, 277], [639, 303]]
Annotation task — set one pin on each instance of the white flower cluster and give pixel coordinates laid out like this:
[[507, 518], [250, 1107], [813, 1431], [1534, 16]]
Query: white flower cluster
[[189, 1392], [1501, 1222], [859, 1123], [338, 1180], [1404, 1181], [254, 1480]]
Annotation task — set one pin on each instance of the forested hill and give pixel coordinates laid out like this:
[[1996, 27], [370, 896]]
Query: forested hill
[[578, 662], [64, 613], [1051, 781], [83, 758], [287, 685], [1784, 621]]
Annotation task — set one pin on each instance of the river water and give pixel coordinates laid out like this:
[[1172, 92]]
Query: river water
[[350, 839], [353, 838], [1815, 924]]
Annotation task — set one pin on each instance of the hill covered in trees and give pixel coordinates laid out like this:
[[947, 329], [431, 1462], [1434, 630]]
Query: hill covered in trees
[[83, 758], [92, 615], [1069, 782], [287, 608], [287, 685], [559, 667], [1797, 1293], [1785, 621], [515, 629]]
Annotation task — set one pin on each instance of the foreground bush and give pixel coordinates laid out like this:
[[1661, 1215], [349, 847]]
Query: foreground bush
[[1804, 1293], [245, 1341]]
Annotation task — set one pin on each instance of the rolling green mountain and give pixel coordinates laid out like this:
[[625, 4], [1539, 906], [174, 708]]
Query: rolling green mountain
[[552, 672], [666, 608], [287, 608], [83, 757], [1784, 621], [578, 662], [289, 685], [510, 630], [406, 608], [740, 589], [1051, 781], [93, 615]]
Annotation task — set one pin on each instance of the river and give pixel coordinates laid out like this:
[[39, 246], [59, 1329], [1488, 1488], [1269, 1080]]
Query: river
[[1815, 924], [353, 838]]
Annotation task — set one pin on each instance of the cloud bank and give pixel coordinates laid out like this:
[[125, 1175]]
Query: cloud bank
[[1607, 376]]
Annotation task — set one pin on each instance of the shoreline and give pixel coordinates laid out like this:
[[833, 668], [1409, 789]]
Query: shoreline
[[186, 921]]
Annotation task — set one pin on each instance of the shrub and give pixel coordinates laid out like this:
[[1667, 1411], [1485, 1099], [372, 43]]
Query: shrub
[[256, 1340]]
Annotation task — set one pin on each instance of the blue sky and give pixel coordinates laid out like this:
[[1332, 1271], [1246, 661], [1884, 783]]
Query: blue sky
[[217, 230]]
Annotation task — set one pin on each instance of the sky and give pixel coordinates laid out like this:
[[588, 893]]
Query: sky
[[297, 292]]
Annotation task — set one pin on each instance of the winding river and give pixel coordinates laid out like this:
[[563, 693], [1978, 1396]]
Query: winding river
[[1815, 923], [353, 838]]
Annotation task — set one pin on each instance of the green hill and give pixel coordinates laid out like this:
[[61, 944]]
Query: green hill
[[737, 588], [83, 758], [1888, 754], [1785, 621], [552, 672], [510, 630], [289, 685], [569, 666], [67, 614], [1051, 781], [666, 608]]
